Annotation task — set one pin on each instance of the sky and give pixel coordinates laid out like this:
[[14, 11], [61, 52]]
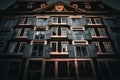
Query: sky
[[114, 3]]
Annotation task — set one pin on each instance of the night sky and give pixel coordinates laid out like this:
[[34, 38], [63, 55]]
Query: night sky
[[114, 3]]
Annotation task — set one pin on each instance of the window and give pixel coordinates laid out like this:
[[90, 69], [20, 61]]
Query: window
[[75, 22], [102, 32], [37, 50], [89, 21], [54, 31], [29, 20], [108, 47], [64, 46], [10, 22], [21, 47], [81, 51], [92, 31], [39, 35], [78, 35], [54, 46], [63, 20], [34, 70], [42, 22], [21, 20], [21, 32], [49, 69], [98, 46], [64, 31], [54, 20], [85, 70], [97, 21], [12, 47]]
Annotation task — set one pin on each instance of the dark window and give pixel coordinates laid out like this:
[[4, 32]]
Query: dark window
[[49, 69], [81, 51], [37, 50], [72, 71], [62, 69]]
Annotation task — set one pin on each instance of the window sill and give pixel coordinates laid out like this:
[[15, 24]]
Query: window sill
[[58, 53]]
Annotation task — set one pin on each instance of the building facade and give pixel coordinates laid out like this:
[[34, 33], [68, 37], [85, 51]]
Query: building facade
[[78, 40]]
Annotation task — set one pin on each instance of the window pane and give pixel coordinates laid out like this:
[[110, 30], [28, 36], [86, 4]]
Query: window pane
[[29, 20], [54, 47], [49, 69], [107, 46], [39, 35], [72, 71], [63, 19], [22, 46], [54, 31], [62, 70], [102, 32], [54, 19], [64, 47], [37, 50], [89, 21], [97, 21], [81, 51], [12, 47], [21, 21], [63, 31], [92, 31]]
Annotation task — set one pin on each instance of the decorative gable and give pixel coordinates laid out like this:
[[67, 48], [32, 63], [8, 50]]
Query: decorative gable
[[59, 7]]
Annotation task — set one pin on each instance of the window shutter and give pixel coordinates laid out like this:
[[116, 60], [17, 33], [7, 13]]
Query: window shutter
[[49, 21], [70, 35], [69, 21], [87, 35], [71, 51], [10, 35], [112, 35], [34, 21], [30, 34], [83, 21], [46, 51], [47, 35], [92, 50], [27, 51]]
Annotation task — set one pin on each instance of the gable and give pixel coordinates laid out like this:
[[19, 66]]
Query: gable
[[59, 7]]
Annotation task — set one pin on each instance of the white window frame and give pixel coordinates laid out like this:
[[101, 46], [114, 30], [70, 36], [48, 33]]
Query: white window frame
[[55, 30], [64, 42], [53, 21], [62, 20], [62, 32], [56, 45]]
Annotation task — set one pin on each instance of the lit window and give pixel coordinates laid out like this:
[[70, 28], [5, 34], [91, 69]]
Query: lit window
[[39, 35], [81, 51], [54, 46], [64, 46], [78, 35], [89, 21], [97, 21], [54, 31], [92, 31], [54, 20], [37, 50], [108, 47], [64, 20], [102, 32], [63, 31]]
